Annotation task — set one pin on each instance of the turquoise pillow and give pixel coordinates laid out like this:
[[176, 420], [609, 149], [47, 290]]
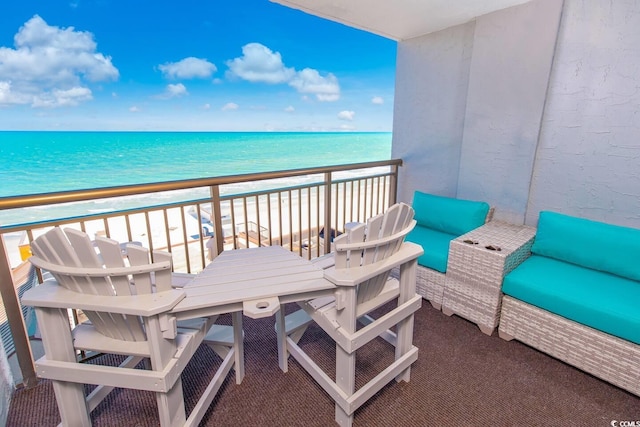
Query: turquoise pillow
[[604, 247], [448, 215]]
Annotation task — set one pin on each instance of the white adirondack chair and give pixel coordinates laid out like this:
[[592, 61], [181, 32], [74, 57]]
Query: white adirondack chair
[[363, 259], [127, 307]]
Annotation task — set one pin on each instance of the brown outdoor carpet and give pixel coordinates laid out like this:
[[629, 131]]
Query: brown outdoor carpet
[[462, 378]]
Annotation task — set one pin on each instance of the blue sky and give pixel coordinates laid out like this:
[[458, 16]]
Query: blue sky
[[241, 65]]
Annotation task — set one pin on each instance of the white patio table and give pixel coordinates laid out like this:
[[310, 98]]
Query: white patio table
[[253, 281]]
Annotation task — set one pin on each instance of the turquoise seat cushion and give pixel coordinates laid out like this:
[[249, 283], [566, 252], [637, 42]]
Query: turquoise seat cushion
[[448, 215], [435, 245], [603, 301], [597, 245]]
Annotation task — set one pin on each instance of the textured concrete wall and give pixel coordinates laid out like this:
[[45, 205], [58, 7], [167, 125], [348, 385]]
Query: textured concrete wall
[[468, 106], [588, 161], [431, 90], [510, 67], [527, 113]]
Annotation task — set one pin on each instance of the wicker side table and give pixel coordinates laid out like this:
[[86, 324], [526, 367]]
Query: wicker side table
[[478, 262]]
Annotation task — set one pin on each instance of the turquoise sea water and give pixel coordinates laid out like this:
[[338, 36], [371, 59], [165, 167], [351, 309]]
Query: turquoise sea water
[[41, 162]]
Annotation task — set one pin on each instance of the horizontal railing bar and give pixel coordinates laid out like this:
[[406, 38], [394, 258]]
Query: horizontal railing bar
[[97, 216], [304, 186], [13, 202]]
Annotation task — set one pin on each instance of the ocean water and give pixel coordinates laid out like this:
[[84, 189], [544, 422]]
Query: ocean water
[[42, 162]]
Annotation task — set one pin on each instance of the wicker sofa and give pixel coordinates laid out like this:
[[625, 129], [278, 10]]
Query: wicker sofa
[[576, 297], [440, 220]]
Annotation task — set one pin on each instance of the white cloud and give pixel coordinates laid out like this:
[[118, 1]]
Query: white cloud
[[310, 81], [346, 115], [174, 91], [8, 96], [188, 68], [62, 98], [134, 109], [290, 109], [5, 92], [230, 106], [377, 100], [258, 63], [206, 107], [49, 66]]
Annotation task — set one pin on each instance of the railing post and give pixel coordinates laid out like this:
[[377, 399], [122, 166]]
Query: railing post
[[16, 322], [393, 186], [327, 213], [216, 215]]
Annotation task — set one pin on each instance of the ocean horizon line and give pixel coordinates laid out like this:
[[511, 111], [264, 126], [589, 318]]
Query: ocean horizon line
[[340, 132]]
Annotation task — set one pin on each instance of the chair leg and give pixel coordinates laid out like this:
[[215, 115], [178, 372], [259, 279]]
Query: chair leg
[[405, 343], [346, 381], [404, 329], [71, 403], [171, 406], [58, 346], [342, 418]]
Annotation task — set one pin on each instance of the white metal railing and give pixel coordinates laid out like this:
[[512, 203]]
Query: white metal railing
[[223, 215]]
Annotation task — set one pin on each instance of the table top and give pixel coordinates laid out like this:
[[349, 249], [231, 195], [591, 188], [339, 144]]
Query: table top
[[236, 277], [497, 234]]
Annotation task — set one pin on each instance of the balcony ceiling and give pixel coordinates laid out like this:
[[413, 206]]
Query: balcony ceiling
[[400, 19]]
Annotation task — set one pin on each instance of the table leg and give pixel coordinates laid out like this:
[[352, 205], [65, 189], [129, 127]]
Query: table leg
[[282, 340], [238, 344]]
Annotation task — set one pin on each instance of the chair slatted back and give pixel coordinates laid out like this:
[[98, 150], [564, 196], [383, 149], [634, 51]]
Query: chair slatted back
[[369, 244], [73, 248]]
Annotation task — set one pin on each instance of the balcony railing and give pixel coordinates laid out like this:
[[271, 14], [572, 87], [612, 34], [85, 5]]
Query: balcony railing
[[300, 209]]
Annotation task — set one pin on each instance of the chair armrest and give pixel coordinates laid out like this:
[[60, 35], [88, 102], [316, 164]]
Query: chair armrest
[[51, 295], [356, 275]]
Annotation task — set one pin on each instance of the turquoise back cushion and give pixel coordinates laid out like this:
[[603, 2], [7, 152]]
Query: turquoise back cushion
[[592, 244], [448, 215]]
